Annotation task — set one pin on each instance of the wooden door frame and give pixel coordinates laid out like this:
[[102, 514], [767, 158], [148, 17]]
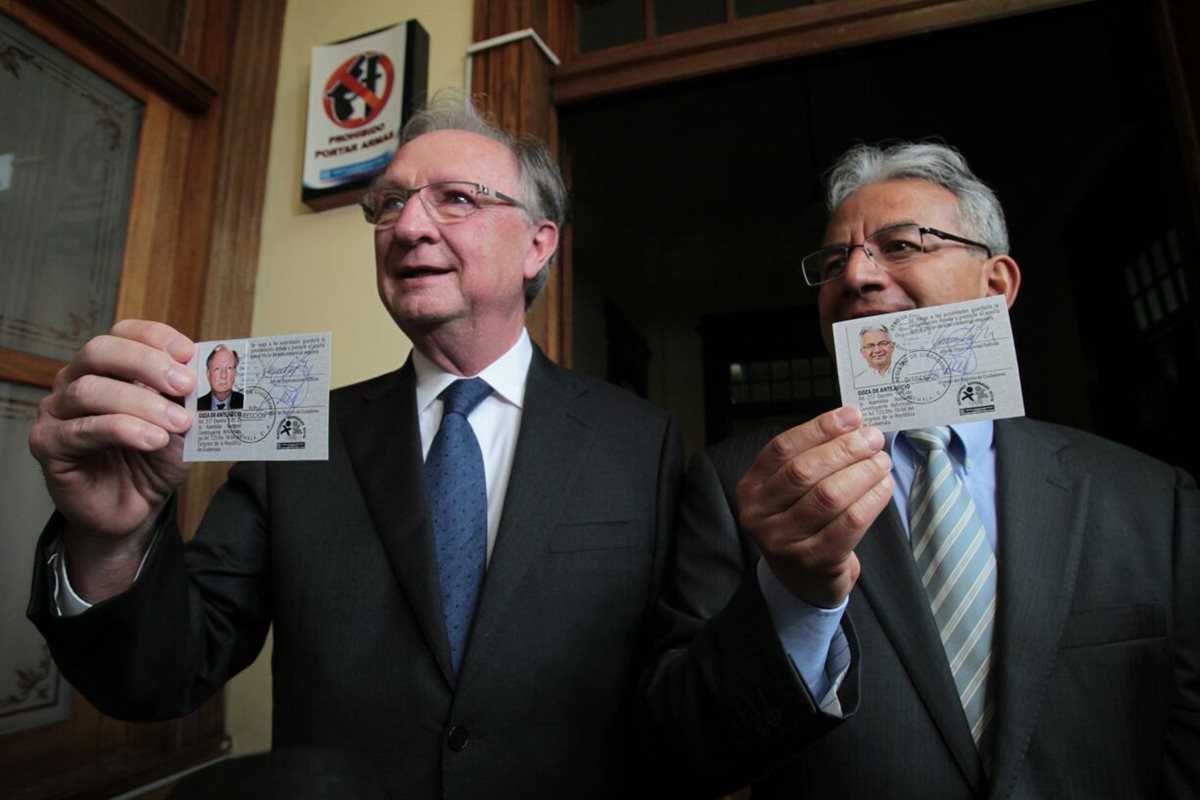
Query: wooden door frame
[[526, 94]]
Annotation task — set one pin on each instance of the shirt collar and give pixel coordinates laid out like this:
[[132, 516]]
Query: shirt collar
[[971, 441], [506, 375]]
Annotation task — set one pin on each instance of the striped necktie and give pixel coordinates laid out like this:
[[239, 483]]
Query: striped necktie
[[958, 568], [457, 486]]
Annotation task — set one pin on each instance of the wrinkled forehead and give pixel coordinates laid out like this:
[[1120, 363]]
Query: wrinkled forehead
[[874, 337], [891, 202], [222, 358], [454, 156]]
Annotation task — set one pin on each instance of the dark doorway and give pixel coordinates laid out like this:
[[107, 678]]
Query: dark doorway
[[694, 202]]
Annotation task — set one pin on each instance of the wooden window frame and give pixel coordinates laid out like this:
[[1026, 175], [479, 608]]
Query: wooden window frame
[[191, 256]]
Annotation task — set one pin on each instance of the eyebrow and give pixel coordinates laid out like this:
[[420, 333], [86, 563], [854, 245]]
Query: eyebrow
[[889, 226]]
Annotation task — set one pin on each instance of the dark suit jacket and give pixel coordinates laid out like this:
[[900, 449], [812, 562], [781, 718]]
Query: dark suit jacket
[[339, 556], [205, 401], [1098, 632]]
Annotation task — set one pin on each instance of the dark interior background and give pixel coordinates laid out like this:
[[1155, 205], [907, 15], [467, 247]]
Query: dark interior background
[[694, 202]]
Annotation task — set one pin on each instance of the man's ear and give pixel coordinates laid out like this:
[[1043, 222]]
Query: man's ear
[[545, 241], [1003, 277]]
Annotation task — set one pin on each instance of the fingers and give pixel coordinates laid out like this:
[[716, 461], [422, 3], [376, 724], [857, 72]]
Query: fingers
[[845, 526], [158, 335], [815, 505], [112, 394], [809, 498], [801, 460], [147, 352], [141, 415], [802, 438]]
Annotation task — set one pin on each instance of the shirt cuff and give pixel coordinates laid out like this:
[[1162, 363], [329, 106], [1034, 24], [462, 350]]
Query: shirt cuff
[[807, 633], [63, 599]]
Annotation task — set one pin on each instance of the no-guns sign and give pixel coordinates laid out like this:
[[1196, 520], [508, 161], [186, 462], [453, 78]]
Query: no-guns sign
[[361, 91]]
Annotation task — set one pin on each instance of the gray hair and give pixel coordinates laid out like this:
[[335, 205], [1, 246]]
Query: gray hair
[[221, 349], [865, 329], [542, 189], [979, 210]]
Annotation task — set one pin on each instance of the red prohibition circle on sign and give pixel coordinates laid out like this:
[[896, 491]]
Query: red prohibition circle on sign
[[351, 93]]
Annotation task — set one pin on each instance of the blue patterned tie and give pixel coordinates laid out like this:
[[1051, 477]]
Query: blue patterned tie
[[958, 568], [457, 489]]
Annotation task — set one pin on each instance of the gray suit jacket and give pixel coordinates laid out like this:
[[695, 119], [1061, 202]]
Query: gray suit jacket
[[1098, 631], [339, 557]]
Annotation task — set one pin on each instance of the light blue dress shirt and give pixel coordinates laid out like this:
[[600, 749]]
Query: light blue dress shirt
[[812, 636]]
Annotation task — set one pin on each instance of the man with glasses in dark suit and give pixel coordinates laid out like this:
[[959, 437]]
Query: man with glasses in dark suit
[[1071, 665]]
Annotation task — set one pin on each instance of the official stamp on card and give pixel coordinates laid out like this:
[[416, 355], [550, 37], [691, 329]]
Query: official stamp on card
[[930, 366], [264, 399]]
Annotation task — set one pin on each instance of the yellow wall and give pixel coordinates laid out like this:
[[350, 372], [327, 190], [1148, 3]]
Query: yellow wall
[[316, 270]]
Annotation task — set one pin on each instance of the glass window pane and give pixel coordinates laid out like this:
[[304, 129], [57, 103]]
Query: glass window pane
[[1159, 254], [1140, 313], [752, 8], [673, 16], [1168, 290], [760, 371], [1152, 304], [761, 392], [823, 387], [1144, 271], [822, 365], [799, 367], [31, 690], [781, 390], [608, 23], [67, 162], [780, 369], [1131, 281]]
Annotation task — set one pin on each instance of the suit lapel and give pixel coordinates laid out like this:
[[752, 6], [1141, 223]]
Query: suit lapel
[[384, 442], [552, 446], [892, 587], [1041, 513]]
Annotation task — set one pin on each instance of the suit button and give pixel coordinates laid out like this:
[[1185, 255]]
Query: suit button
[[457, 737]]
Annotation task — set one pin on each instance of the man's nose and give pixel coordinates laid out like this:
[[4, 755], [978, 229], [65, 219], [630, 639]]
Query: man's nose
[[415, 222], [861, 267]]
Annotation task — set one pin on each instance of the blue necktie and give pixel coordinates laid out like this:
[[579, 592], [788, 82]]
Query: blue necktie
[[457, 489], [958, 568]]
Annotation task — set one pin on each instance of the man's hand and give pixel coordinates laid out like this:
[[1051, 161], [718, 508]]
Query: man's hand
[[809, 497], [111, 447]]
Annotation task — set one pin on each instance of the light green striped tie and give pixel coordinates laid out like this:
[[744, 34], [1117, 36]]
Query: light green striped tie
[[958, 568]]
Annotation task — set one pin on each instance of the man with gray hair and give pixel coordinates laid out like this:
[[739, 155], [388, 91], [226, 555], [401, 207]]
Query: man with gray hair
[[876, 347], [1032, 631], [461, 595]]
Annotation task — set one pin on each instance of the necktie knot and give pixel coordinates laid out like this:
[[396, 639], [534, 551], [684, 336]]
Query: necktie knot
[[462, 396], [926, 440]]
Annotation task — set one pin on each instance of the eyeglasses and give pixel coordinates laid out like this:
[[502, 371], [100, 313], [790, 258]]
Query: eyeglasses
[[885, 344], [890, 248], [445, 201]]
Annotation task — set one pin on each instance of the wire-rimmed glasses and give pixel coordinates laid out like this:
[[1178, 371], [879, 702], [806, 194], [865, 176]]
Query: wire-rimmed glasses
[[892, 247], [445, 201]]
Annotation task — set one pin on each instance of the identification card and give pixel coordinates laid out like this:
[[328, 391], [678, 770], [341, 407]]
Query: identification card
[[264, 399], [930, 366]]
